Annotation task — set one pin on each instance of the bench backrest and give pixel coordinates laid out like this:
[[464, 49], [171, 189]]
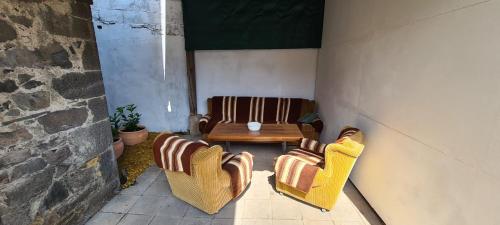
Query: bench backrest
[[260, 109]]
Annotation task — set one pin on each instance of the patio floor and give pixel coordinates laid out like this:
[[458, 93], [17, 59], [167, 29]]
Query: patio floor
[[150, 202]]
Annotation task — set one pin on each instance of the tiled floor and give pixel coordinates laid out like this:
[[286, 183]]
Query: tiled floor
[[150, 202]]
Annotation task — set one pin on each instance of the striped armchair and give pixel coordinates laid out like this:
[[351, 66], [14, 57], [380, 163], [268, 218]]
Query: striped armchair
[[316, 173], [205, 177], [233, 109]]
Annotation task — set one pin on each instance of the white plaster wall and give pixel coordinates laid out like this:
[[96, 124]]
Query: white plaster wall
[[131, 61], [422, 79], [130, 50], [271, 73]]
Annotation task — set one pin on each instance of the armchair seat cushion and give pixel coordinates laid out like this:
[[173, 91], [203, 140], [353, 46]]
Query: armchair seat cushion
[[311, 158], [298, 168]]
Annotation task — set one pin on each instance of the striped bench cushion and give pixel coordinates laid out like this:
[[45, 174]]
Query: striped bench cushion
[[205, 118], [240, 168], [233, 109]]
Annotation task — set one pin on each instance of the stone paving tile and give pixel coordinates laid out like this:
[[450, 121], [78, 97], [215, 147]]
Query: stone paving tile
[[257, 209], [102, 218], [148, 205], [224, 222], [342, 222], [174, 207], [132, 219], [258, 190], [195, 221], [287, 222], [120, 204], [255, 222], [159, 187], [344, 213], [165, 220], [317, 222], [196, 213], [285, 209], [234, 209], [312, 213], [142, 182]]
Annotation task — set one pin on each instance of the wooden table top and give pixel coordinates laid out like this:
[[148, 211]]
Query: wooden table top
[[267, 133]]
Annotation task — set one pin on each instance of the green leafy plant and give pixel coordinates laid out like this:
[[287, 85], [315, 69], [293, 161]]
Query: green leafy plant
[[130, 118], [115, 120]]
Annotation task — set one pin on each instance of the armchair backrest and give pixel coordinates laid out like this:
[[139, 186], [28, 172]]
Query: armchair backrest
[[261, 109], [353, 133], [177, 153]]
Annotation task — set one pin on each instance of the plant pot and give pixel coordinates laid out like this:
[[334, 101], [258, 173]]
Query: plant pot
[[118, 147], [134, 137]]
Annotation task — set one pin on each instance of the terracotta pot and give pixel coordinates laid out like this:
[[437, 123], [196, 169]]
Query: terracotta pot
[[118, 147], [134, 137]]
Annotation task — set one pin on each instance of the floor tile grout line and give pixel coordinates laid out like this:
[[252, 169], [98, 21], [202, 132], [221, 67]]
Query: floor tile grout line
[[121, 218]]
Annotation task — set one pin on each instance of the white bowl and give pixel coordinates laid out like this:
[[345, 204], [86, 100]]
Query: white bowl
[[254, 126]]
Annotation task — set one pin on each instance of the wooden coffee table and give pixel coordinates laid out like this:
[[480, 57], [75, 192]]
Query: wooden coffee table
[[269, 133]]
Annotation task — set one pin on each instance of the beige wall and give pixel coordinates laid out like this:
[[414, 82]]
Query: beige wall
[[422, 79], [272, 73]]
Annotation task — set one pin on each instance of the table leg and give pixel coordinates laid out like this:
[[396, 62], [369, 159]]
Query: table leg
[[228, 146], [284, 147]]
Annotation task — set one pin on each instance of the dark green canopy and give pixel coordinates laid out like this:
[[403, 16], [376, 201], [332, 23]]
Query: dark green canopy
[[252, 24]]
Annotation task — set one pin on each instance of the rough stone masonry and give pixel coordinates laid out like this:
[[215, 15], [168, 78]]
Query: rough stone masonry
[[57, 164]]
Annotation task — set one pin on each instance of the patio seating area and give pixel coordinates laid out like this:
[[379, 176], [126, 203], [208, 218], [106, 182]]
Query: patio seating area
[[150, 202]]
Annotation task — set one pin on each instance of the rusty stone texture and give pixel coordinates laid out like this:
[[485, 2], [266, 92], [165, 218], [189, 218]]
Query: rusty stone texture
[[52, 115]]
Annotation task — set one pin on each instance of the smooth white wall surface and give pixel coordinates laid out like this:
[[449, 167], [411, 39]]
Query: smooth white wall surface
[[267, 73], [422, 80], [130, 51]]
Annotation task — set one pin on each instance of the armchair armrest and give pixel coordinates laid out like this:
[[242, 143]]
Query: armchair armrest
[[203, 122], [340, 153], [314, 126], [317, 124]]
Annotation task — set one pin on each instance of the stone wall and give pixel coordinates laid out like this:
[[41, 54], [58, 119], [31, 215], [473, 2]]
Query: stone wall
[[56, 160]]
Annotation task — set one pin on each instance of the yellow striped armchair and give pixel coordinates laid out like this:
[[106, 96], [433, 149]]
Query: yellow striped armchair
[[210, 179], [316, 173]]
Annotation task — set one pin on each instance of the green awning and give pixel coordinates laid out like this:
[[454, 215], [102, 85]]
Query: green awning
[[252, 24]]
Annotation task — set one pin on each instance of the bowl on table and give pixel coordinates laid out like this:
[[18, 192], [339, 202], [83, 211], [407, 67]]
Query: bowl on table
[[254, 126]]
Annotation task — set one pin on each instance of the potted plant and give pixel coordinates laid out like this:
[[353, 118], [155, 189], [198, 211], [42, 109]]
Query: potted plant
[[117, 141], [131, 132]]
